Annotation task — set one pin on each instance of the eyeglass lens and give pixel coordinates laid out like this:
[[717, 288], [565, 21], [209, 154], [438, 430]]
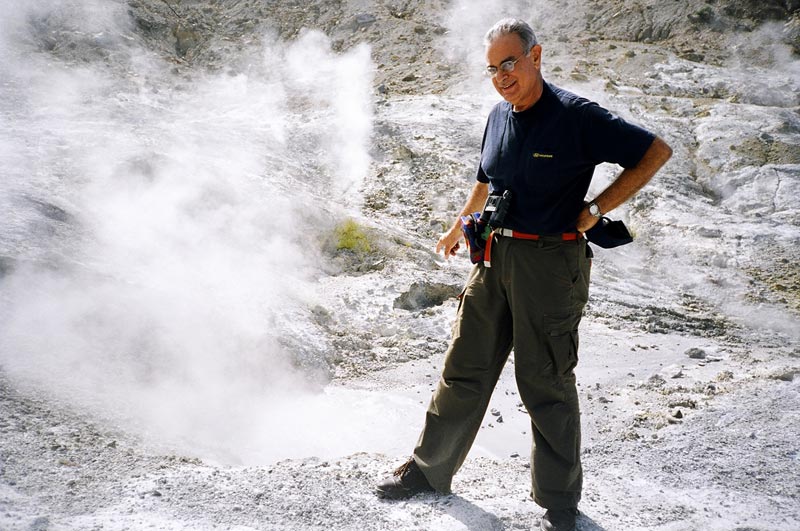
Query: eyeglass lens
[[505, 66]]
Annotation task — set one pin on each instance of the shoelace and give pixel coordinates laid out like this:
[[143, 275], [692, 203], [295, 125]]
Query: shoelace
[[402, 469]]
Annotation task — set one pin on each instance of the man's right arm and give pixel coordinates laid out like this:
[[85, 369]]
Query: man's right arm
[[448, 243]]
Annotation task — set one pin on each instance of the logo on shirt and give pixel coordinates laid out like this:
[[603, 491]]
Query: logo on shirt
[[538, 155]]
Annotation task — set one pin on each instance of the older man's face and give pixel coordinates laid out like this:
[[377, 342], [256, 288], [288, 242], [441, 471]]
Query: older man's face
[[522, 86]]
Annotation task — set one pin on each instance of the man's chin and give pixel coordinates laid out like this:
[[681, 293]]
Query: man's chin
[[512, 100]]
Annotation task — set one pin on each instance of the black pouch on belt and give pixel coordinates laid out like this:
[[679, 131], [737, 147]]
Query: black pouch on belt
[[609, 234]]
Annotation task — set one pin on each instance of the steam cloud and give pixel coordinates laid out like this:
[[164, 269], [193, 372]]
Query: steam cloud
[[157, 246]]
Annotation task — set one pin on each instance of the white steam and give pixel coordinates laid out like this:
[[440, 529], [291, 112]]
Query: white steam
[[467, 21], [160, 242]]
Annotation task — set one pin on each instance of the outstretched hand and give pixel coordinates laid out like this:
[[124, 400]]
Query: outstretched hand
[[448, 243]]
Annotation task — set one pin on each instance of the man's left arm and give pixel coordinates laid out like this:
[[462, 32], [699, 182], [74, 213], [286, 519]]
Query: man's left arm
[[630, 181]]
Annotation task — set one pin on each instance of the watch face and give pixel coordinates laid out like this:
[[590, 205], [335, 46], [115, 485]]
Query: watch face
[[594, 209]]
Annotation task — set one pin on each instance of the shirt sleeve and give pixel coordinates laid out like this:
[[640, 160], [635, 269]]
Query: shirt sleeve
[[612, 139], [481, 175]]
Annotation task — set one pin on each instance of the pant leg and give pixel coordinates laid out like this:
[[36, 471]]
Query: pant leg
[[479, 349], [549, 289]]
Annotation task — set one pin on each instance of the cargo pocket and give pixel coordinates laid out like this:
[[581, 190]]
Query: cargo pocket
[[460, 298], [562, 341]]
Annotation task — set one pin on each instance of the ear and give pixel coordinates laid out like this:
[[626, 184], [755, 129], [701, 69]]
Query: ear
[[536, 55]]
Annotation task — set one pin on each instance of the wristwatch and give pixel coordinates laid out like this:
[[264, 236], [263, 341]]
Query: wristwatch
[[594, 210]]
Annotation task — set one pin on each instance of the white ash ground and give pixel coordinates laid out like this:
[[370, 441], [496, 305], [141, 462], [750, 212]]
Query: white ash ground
[[691, 445]]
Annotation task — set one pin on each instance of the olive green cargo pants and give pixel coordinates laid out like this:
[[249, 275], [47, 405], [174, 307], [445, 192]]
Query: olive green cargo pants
[[530, 300]]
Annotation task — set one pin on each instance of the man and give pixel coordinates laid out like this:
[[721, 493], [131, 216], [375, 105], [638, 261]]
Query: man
[[542, 144]]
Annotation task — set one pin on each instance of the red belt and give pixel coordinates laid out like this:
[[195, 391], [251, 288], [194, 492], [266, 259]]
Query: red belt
[[508, 233]]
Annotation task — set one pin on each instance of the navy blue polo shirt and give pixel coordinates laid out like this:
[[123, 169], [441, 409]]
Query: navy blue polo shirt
[[546, 156]]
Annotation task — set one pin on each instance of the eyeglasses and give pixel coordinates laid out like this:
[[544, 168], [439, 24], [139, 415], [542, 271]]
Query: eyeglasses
[[505, 66]]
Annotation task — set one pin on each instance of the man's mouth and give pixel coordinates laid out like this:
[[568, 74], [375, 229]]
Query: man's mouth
[[506, 87]]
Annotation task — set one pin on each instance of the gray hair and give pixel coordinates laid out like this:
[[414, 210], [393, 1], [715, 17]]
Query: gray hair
[[507, 26]]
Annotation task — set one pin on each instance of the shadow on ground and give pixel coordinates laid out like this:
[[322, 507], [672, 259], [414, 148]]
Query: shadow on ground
[[475, 518]]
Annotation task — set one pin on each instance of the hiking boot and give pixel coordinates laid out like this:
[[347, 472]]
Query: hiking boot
[[559, 519], [405, 482]]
